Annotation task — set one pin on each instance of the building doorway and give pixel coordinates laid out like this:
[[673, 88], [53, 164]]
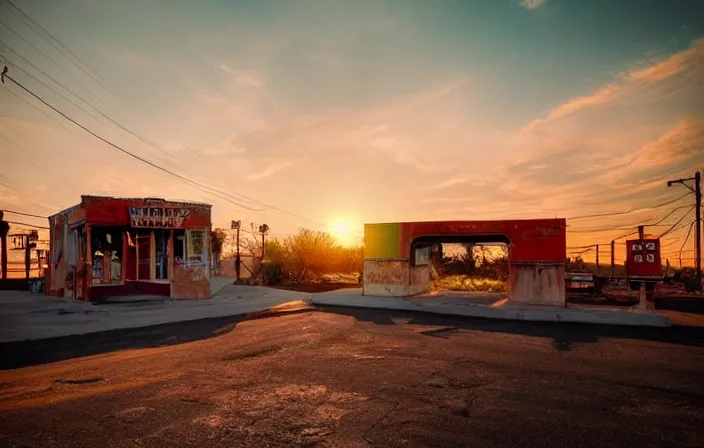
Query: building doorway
[[161, 244]]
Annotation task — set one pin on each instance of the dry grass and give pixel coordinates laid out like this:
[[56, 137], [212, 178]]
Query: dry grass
[[467, 283]]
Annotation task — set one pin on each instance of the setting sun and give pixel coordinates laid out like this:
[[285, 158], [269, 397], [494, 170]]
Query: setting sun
[[343, 231]]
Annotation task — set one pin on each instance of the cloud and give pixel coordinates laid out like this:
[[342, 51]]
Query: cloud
[[271, 170], [670, 66], [225, 147], [630, 83], [243, 77], [603, 95], [532, 4]]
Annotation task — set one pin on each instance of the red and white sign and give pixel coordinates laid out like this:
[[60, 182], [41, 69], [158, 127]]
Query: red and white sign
[[643, 258]]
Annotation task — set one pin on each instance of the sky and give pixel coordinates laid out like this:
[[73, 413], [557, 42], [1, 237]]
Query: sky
[[327, 114]]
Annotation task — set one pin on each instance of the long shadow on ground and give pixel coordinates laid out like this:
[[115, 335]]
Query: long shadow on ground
[[563, 334], [28, 353]]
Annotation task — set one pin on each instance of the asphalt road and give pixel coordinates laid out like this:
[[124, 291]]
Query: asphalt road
[[366, 378]]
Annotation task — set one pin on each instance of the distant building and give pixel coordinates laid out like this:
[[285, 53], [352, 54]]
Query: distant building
[[108, 246]]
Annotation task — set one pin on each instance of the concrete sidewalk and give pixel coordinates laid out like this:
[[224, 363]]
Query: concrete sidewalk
[[25, 316], [493, 307]]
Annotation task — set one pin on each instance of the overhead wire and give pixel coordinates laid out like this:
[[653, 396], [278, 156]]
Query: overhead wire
[[600, 215], [27, 225], [677, 223], [119, 148], [23, 214], [85, 68]]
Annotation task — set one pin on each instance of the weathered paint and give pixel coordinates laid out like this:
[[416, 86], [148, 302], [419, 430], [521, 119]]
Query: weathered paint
[[381, 241], [530, 239], [394, 278], [538, 284], [385, 278], [115, 212], [537, 253], [419, 280], [190, 282]]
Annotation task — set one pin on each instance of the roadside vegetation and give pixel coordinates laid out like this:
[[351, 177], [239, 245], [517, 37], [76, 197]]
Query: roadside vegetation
[[476, 269], [307, 257]]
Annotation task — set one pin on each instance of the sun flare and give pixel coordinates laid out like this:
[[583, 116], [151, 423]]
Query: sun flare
[[343, 231]]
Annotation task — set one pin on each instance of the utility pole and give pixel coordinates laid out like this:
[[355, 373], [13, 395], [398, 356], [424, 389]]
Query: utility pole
[[263, 229], [597, 259], [697, 190], [4, 228], [236, 226], [642, 295], [613, 258]]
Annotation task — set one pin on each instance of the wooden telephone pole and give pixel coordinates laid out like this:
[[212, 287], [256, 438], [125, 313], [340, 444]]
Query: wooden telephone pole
[[4, 229], [697, 190]]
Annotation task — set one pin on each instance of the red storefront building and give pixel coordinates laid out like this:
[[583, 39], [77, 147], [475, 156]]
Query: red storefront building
[[108, 246]]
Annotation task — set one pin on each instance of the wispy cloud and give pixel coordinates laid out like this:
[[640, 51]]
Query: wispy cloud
[[670, 66], [243, 77], [532, 4], [629, 83], [603, 95], [271, 170]]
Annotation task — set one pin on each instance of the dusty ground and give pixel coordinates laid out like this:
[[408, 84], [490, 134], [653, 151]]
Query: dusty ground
[[368, 378]]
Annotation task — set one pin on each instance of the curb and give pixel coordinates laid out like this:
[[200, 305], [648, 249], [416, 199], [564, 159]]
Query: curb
[[604, 317]]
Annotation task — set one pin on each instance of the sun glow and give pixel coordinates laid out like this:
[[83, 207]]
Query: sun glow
[[344, 232]]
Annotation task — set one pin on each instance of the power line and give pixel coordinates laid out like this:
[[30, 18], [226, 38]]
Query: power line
[[85, 68], [105, 116], [24, 214], [599, 215], [677, 223], [689, 232], [119, 148], [27, 225]]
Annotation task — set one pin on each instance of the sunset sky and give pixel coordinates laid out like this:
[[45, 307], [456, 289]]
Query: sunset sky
[[345, 112]]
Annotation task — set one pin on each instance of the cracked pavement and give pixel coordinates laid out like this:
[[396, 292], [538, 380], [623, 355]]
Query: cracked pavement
[[356, 378]]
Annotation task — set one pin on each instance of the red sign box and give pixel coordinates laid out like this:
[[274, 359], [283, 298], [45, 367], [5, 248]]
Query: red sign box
[[643, 258]]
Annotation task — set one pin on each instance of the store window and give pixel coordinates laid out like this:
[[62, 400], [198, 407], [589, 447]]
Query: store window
[[106, 256], [195, 244], [179, 246]]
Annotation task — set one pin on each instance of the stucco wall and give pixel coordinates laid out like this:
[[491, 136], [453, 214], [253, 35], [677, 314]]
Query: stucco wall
[[538, 284], [419, 280], [385, 278], [394, 278]]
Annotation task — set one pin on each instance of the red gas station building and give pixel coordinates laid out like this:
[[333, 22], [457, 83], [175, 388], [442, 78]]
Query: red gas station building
[[107, 246]]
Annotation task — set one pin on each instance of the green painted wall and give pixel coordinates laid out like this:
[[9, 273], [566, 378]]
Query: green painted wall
[[382, 240]]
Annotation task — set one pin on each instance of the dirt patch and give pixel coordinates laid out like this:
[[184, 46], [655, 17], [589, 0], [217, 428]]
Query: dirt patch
[[251, 353]]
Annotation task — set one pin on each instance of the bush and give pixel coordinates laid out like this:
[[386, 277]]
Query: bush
[[273, 272], [308, 256]]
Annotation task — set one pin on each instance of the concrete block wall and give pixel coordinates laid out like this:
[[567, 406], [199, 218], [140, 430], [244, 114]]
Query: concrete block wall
[[395, 278], [537, 283]]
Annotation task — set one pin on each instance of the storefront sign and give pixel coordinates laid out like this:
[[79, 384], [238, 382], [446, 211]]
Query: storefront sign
[[158, 217]]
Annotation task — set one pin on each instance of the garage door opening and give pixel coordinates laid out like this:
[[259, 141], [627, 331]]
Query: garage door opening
[[476, 264]]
